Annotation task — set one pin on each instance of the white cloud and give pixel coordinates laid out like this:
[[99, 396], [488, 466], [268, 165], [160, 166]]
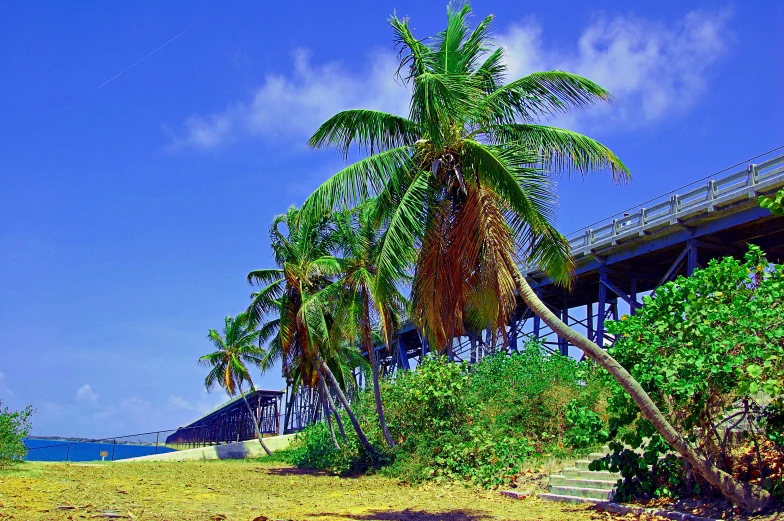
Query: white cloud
[[295, 105], [178, 402], [6, 391], [86, 394], [134, 408], [202, 405], [655, 70]]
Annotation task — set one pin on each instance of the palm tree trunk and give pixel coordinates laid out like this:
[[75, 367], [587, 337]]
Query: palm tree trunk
[[336, 414], [342, 397], [747, 496], [368, 341], [255, 421], [327, 415]]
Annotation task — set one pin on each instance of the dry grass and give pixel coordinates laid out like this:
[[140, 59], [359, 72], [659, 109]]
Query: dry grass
[[247, 490]]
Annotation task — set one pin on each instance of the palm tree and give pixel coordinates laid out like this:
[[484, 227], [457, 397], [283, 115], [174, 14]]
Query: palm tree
[[466, 181], [228, 364], [303, 321], [362, 298]]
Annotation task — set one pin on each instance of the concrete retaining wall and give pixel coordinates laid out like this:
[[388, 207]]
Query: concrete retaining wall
[[239, 450]]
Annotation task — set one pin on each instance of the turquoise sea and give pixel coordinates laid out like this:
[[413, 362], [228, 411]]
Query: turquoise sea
[[61, 450]]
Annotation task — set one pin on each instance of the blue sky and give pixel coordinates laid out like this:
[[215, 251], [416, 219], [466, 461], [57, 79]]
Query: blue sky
[[132, 206]]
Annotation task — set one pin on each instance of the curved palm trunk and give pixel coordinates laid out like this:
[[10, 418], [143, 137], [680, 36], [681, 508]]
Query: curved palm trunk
[[255, 422], [325, 406], [342, 397], [748, 497], [368, 344]]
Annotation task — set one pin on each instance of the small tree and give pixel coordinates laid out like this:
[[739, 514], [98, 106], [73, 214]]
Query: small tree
[[14, 427], [228, 363]]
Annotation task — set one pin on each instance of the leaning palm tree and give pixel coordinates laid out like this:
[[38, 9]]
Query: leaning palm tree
[[290, 294], [228, 364], [466, 181], [361, 300]]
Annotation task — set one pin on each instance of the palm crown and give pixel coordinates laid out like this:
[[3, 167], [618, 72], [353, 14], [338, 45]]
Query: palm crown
[[234, 351], [465, 180]]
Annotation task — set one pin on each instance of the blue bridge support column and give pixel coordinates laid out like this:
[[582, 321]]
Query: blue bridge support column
[[513, 334], [563, 345], [402, 356], [602, 310]]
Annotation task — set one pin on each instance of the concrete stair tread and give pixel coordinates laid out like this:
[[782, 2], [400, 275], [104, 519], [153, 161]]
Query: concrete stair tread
[[581, 492], [569, 499], [600, 484], [591, 474]]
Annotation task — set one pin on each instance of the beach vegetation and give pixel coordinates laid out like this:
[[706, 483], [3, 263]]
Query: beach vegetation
[[708, 349], [14, 427]]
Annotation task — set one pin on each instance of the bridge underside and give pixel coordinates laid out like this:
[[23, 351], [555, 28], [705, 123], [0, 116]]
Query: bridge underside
[[619, 262]]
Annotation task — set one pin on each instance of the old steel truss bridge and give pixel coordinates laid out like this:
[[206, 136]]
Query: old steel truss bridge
[[232, 422], [617, 261]]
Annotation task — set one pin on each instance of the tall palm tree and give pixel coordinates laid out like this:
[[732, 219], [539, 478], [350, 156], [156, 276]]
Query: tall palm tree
[[466, 180], [362, 300], [303, 321], [228, 364]]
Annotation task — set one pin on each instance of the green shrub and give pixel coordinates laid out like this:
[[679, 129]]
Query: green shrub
[[14, 426], [484, 424], [313, 449], [708, 349], [653, 474], [586, 428], [775, 204]]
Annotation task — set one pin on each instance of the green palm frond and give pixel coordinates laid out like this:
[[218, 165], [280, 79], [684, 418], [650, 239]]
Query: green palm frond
[[563, 150], [370, 131], [414, 54], [404, 230], [492, 71], [356, 183], [543, 94], [526, 190], [449, 41], [264, 277]]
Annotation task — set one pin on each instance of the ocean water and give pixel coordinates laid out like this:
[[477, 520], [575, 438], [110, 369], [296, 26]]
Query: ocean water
[[58, 450]]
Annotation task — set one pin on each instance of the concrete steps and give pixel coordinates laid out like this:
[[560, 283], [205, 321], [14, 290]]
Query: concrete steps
[[578, 484]]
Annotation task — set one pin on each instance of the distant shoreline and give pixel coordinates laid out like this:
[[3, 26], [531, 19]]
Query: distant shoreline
[[101, 441], [57, 438]]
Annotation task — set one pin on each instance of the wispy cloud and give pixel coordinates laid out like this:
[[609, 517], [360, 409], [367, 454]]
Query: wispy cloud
[[86, 394], [202, 405], [655, 70], [133, 408], [6, 390], [294, 105]]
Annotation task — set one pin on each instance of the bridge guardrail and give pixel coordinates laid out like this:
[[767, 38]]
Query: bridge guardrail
[[754, 178]]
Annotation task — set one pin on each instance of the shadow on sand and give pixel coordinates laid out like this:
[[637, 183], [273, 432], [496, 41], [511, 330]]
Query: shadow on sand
[[415, 515], [295, 471]]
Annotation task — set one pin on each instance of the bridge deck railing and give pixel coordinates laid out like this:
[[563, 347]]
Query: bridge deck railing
[[715, 193]]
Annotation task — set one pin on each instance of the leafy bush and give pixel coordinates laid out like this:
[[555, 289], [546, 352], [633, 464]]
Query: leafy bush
[[485, 424], [586, 428], [708, 349], [14, 426], [313, 448], [775, 204], [653, 474]]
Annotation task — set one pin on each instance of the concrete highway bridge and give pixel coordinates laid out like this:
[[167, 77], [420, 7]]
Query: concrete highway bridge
[[616, 262]]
